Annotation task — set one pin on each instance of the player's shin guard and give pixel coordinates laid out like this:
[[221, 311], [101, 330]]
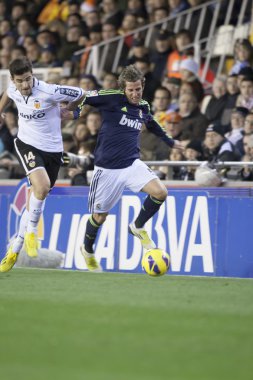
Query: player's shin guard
[[150, 206], [92, 228]]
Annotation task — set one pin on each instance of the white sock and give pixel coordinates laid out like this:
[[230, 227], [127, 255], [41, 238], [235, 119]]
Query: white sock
[[35, 211], [18, 242]]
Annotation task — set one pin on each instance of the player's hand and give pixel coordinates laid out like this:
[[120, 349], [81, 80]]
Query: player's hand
[[66, 114], [178, 145]]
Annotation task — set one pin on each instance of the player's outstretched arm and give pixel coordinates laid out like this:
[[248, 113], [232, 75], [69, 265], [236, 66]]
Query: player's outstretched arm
[[76, 104], [66, 114]]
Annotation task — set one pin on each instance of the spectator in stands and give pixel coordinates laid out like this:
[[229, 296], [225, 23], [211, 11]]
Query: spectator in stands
[[213, 105], [92, 18], [71, 44], [137, 7], [247, 131], [5, 27], [5, 56], [151, 84], [111, 13], [238, 116], [73, 81], [193, 122], [161, 103], [216, 147], [173, 125], [159, 56], [17, 52], [93, 124], [193, 152], [195, 20], [137, 51], [110, 81], [173, 85], [129, 24], [189, 74], [45, 38], [246, 173], [243, 73], [88, 82], [177, 6], [24, 28], [11, 121], [182, 39], [33, 52], [75, 19], [160, 13], [6, 139], [3, 10], [95, 35], [18, 10], [47, 58], [173, 172], [109, 31], [150, 5], [243, 54], [245, 99], [232, 94], [80, 134], [8, 42], [78, 174]]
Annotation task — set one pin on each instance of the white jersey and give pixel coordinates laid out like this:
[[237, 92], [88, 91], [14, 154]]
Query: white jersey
[[39, 113]]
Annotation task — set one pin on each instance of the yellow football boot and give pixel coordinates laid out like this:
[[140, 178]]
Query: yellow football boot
[[141, 234], [8, 261], [31, 244], [91, 262]]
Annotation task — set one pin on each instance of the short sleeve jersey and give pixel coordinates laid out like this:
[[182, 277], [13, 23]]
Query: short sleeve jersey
[[118, 144], [39, 113]]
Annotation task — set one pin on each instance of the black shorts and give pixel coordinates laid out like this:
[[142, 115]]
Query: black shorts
[[32, 158]]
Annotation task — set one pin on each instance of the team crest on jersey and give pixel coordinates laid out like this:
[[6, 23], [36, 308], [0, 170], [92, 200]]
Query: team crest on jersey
[[31, 164], [140, 114], [92, 93], [37, 104]]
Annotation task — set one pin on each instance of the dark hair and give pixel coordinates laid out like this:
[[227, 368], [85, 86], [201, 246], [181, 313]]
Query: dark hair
[[247, 78], [130, 74], [20, 66], [162, 88]]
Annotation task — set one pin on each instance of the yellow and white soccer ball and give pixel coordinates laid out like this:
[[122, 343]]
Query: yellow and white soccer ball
[[155, 262]]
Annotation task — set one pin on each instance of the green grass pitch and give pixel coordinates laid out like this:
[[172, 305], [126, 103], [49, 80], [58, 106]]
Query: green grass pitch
[[64, 325]]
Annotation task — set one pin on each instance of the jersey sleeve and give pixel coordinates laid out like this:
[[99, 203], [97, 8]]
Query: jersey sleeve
[[67, 94], [103, 98]]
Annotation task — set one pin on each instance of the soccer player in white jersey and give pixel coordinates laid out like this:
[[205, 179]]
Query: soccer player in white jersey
[[38, 145], [117, 163]]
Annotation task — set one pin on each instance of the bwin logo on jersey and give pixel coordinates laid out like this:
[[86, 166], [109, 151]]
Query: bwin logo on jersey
[[130, 123], [37, 115]]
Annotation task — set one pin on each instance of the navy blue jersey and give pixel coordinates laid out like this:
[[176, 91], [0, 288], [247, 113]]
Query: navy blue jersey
[[118, 142]]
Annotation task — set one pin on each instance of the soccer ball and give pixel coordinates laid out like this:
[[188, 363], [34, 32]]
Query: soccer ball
[[155, 262]]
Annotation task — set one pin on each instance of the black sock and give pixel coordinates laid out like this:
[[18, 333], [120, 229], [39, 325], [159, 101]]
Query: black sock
[[92, 228], [150, 206]]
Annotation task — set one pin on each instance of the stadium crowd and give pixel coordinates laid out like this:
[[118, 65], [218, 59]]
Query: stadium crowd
[[214, 119]]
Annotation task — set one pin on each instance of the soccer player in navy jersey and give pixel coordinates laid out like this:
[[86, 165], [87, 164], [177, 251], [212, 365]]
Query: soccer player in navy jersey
[[117, 163]]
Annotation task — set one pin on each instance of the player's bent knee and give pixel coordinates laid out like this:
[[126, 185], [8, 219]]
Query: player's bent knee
[[160, 193], [100, 218], [42, 192]]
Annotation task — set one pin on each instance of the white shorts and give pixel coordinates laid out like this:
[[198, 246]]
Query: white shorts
[[107, 185]]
